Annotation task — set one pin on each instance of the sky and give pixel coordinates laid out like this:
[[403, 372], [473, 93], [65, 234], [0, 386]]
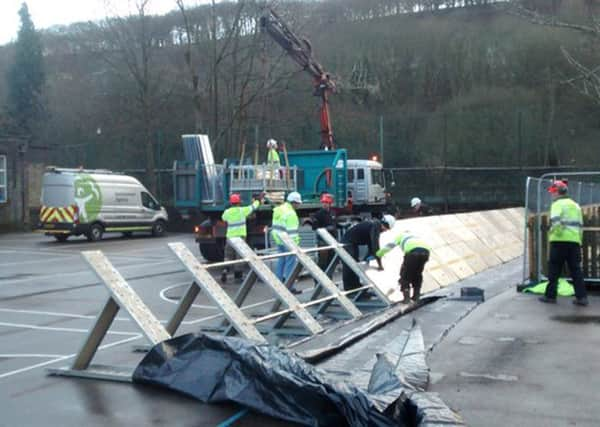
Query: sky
[[47, 13]]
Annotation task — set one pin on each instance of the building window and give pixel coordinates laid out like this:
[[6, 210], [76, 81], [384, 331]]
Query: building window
[[3, 192]]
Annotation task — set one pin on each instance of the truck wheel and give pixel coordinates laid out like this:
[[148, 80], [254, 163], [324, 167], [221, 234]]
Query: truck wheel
[[61, 237], [127, 234], [95, 233], [213, 251], [158, 228]]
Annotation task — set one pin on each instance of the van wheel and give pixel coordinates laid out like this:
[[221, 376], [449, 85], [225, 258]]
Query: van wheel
[[158, 228], [95, 233], [61, 237]]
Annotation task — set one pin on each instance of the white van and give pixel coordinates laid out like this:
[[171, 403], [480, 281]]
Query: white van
[[91, 202]]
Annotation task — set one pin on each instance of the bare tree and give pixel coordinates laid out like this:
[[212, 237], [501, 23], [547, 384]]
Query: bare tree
[[131, 51], [586, 78], [231, 82]]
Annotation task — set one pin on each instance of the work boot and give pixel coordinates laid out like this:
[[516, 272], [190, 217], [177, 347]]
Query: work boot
[[406, 295], [416, 295], [547, 300], [581, 301]]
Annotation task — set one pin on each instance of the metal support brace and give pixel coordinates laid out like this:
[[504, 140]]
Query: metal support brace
[[319, 275], [121, 296], [233, 313], [352, 264], [268, 277], [183, 307]]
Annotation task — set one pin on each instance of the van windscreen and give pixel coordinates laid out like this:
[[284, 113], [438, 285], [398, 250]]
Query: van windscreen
[[57, 195]]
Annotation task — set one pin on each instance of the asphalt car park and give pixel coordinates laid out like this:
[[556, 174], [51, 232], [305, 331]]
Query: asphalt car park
[[49, 300]]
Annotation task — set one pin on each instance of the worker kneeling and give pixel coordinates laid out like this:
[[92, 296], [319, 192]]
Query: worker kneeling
[[416, 255], [286, 219], [235, 217]]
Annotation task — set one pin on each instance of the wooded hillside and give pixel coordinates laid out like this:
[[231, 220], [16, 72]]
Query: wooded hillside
[[449, 82]]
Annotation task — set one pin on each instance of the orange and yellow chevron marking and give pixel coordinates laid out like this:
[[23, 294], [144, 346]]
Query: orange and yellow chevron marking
[[58, 214]]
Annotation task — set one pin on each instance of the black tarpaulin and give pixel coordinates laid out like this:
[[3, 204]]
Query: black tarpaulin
[[280, 384]]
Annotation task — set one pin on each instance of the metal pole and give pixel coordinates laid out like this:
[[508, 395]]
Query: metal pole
[[381, 138], [158, 144], [520, 137]]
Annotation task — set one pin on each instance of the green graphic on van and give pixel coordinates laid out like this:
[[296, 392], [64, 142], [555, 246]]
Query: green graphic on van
[[88, 197]]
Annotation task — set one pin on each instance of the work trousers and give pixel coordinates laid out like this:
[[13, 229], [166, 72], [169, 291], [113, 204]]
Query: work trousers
[[285, 264], [561, 253], [325, 256], [231, 255], [349, 278], [411, 271]]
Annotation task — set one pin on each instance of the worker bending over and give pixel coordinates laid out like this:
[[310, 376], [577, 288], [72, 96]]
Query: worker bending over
[[364, 233], [286, 219], [416, 255], [235, 217]]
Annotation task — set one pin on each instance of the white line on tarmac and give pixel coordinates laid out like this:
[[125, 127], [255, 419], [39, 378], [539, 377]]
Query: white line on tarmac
[[39, 365], [169, 300], [50, 328], [215, 316], [37, 261], [43, 356], [75, 273], [51, 313], [9, 251]]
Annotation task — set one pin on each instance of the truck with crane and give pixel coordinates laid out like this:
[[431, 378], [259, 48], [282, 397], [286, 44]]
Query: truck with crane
[[202, 187]]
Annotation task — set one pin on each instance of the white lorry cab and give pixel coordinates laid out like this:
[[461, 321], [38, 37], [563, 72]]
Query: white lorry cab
[[92, 202], [366, 183]]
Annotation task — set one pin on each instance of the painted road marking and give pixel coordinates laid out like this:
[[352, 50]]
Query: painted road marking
[[59, 359], [55, 329]]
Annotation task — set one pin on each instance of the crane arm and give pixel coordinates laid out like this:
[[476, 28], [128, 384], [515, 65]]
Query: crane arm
[[300, 50]]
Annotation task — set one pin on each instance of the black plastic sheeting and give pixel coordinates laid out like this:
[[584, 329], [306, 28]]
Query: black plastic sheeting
[[280, 384]]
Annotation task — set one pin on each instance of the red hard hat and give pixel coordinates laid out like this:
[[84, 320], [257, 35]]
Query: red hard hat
[[559, 187], [326, 198], [235, 199]]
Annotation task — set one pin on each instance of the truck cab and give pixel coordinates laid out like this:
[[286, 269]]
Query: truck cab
[[366, 183]]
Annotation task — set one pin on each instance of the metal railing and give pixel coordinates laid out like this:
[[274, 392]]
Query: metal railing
[[263, 178]]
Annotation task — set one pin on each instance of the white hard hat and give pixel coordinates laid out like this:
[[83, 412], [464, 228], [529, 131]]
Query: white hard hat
[[414, 202], [389, 220], [271, 143], [294, 197]]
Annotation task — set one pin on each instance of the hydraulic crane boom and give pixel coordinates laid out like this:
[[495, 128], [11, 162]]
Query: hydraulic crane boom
[[301, 51]]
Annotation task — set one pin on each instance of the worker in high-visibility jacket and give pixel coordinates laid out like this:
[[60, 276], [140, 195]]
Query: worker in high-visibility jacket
[[566, 231], [286, 219], [272, 155], [235, 217], [416, 255]]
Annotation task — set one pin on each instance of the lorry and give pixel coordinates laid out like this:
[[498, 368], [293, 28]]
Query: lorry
[[90, 202], [202, 189]]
